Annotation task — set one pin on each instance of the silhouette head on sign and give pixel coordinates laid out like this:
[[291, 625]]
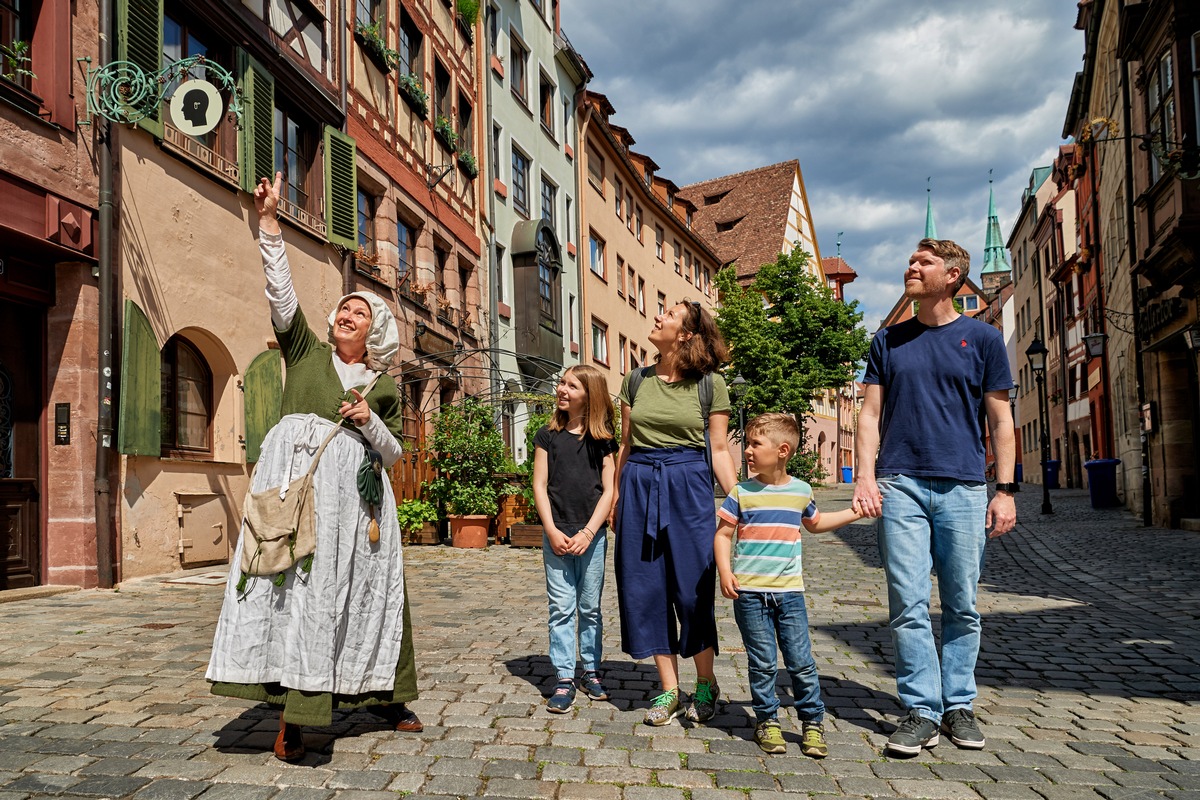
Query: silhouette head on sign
[[195, 107]]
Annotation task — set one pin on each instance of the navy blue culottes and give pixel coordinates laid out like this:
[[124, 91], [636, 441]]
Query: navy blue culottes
[[666, 576]]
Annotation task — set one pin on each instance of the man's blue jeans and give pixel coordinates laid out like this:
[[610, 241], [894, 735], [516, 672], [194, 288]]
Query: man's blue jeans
[[933, 524], [767, 617], [574, 585]]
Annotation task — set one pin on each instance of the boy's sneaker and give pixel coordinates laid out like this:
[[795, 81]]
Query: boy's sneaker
[[960, 725], [913, 733], [813, 741], [563, 698], [704, 701], [769, 736], [664, 708], [592, 687]]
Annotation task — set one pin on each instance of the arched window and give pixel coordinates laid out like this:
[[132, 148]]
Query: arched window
[[187, 400]]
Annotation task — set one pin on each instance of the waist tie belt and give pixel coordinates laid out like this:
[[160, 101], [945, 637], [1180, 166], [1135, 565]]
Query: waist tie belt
[[658, 510]]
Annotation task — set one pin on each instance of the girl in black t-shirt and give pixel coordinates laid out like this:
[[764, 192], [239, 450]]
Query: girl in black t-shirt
[[573, 469]]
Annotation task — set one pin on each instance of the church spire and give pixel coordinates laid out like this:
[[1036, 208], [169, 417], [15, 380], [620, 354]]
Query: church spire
[[996, 267], [930, 228]]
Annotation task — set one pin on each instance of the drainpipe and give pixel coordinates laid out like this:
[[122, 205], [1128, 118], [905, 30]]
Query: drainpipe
[[347, 258], [1131, 240], [493, 267], [104, 418]]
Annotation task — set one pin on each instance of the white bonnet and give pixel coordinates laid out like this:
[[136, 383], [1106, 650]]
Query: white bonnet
[[383, 340]]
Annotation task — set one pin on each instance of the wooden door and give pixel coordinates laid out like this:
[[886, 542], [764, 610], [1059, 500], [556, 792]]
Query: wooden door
[[22, 339]]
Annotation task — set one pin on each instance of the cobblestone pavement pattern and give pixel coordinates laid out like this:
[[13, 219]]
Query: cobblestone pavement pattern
[[1089, 688]]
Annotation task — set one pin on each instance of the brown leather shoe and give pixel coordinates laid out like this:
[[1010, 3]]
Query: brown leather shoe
[[289, 745], [407, 721]]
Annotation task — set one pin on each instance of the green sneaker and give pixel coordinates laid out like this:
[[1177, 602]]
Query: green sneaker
[[812, 742], [665, 708], [704, 701], [769, 736]]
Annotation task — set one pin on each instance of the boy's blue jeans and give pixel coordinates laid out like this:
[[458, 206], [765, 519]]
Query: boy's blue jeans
[[765, 618], [933, 524], [574, 585]]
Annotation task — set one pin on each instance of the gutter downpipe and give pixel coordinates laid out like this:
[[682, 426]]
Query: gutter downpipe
[[1131, 238], [347, 258], [493, 266], [104, 377]]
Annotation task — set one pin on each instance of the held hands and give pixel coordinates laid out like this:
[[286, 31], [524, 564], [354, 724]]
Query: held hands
[[867, 500], [357, 412], [563, 545]]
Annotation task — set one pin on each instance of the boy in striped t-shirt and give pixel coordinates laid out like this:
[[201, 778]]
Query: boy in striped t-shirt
[[765, 581]]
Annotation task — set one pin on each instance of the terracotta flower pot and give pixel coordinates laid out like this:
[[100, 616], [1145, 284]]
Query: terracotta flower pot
[[469, 531]]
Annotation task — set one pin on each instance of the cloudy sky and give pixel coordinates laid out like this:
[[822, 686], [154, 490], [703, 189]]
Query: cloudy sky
[[872, 97]]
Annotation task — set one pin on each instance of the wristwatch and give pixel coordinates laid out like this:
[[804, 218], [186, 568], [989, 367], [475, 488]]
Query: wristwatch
[[1008, 488]]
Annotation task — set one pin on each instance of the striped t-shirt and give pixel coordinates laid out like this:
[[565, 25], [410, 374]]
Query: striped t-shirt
[[766, 555]]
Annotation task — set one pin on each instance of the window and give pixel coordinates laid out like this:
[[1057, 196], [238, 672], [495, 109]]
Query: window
[[689, 219], [659, 234], [641, 296], [366, 224], [970, 303], [466, 133], [630, 285], [634, 362], [707, 281], [621, 277], [678, 256], [16, 25], [549, 202], [186, 391], [493, 28], [180, 40], [546, 287], [623, 346], [1160, 109], [520, 181], [295, 149], [567, 221], [410, 40], [1195, 83], [368, 12], [500, 274], [597, 255], [441, 89], [629, 211], [618, 197], [571, 318], [495, 147], [595, 165], [519, 61], [599, 341], [662, 303], [546, 104], [637, 218], [687, 265], [406, 247]]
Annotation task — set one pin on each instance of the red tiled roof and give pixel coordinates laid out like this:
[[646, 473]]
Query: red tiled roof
[[752, 210], [836, 265]]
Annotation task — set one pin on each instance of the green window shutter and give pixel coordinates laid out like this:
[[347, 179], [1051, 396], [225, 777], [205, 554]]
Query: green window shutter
[[141, 377], [140, 41], [263, 398], [341, 189], [258, 122]]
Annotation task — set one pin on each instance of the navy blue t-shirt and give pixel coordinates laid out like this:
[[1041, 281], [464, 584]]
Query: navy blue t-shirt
[[933, 382]]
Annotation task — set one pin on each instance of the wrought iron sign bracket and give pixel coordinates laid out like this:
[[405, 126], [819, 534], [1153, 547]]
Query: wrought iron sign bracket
[[124, 93]]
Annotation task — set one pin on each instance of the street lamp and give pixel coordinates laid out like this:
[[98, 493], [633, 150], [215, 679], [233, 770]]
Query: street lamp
[[738, 384], [1095, 344], [1036, 353], [1012, 408]]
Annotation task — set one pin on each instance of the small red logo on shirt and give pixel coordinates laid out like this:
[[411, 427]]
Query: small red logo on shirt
[[964, 342]]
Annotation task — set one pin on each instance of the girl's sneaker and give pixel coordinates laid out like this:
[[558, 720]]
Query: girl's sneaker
[[563, 698], [704, 701], [592, 687], [665, 708]]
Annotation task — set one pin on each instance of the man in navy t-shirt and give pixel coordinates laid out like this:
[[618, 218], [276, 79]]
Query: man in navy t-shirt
[[930, 383]]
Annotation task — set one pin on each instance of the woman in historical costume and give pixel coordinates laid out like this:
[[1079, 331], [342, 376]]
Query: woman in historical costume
[[333, 633]]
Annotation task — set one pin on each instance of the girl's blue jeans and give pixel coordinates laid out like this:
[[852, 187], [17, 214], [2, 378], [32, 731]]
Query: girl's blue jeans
[[574, 585]]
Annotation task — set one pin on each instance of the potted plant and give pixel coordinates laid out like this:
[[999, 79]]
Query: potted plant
[[529, 532], [467, 163], [371, 37], [469, 451], [417, 519], [16, 60], [443, 128], [414, 94]]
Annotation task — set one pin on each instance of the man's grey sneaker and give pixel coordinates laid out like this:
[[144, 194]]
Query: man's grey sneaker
[[664, 708], [770, 737], [704, 701], [960, 725], [812, 741], [592, 687], [913, 733], [563, 698]]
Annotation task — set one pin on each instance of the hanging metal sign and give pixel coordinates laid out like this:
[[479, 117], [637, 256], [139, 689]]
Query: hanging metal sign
[[196, 107]]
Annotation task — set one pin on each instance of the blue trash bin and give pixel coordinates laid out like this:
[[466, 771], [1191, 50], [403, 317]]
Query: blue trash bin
[[1102, 481], [847, 474], [1018, 474], [1052, 466]]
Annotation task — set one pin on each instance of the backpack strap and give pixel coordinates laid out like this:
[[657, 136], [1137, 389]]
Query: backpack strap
[[635, 380]]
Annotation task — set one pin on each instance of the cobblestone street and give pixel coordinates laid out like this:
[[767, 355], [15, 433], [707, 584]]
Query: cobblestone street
[[1089, 685]]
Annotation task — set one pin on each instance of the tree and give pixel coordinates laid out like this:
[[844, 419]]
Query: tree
[[790, 338]]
